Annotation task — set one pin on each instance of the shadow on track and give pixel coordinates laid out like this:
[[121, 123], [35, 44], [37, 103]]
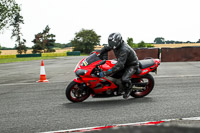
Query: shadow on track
[[108, 103]]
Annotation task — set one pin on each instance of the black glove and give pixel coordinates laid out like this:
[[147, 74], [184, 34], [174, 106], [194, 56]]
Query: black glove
[[107, 73], [101, 74]]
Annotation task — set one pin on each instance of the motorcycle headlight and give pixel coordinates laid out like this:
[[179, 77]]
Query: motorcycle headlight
[[81, 72]]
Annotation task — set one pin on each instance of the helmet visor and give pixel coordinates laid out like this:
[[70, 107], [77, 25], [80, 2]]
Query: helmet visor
[[112, 44]]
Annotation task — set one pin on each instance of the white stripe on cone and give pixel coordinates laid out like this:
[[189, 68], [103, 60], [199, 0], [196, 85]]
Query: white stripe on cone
[[42, 70]]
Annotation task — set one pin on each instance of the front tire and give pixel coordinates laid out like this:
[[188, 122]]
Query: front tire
[[75, 94], [147, 89]]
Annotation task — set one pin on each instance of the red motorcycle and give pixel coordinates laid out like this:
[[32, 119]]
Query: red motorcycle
[[90, 80]]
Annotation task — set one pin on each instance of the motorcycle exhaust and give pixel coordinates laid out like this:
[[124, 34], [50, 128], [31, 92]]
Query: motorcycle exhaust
[[139, 86]]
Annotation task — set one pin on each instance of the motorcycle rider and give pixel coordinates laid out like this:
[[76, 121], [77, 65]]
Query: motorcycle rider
[[126, 57]]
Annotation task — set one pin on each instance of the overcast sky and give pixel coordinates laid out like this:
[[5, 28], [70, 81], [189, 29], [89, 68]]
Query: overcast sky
[[140, 19]]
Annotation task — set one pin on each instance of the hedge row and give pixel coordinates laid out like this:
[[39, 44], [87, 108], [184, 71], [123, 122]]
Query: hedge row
[[77, 53], [28, 55]]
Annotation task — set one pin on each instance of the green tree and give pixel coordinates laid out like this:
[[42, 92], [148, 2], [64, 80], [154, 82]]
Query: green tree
[[44, 41], [8, 11], [149, 45], [130, 43], [21, 47], [10, 17], [142, 44], [59, 45], [159, 40], [85, 41], [169, 42], [16, 32]]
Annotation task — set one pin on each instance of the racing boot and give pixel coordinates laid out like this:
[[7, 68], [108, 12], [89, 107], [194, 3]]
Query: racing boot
[[127, 90]]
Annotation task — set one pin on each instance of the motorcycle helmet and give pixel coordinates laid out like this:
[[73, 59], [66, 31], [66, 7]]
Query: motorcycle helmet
[[115, 40]]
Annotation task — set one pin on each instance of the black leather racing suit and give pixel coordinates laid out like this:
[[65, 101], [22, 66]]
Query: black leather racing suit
[[127, 59]]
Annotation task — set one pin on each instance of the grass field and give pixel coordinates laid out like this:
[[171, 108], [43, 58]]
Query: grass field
[[14, 52], [24, 59], [175, 45]]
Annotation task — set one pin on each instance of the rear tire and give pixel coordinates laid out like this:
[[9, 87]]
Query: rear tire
[[74, 94], [149, 87]]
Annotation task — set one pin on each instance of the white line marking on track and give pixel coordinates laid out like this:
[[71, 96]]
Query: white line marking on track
[[17, 84], [192, 118], [119, 125]]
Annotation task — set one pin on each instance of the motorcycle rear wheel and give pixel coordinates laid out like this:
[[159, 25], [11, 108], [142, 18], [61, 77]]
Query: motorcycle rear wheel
[[147, 89], [75, 94]]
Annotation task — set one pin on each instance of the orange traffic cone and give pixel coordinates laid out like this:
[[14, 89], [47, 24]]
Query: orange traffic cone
[[42, 73]]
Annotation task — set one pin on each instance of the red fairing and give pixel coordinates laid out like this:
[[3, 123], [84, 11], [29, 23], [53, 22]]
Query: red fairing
[[78, 80], [108, 65], [92, 81], [79, 65], [148, 69]]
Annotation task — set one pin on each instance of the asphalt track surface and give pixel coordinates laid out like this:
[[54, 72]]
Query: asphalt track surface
[[27, 106]]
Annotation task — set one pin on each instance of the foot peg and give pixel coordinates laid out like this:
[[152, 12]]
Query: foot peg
[[127, 93]]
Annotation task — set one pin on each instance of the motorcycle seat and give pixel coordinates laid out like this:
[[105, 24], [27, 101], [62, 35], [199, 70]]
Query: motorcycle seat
[[146, 63]]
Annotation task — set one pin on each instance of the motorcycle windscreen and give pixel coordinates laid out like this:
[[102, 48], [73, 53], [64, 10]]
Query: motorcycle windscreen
[[92, 58]]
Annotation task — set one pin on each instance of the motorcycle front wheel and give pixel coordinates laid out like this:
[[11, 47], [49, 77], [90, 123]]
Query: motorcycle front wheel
[[145, 90], [76, 94]]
